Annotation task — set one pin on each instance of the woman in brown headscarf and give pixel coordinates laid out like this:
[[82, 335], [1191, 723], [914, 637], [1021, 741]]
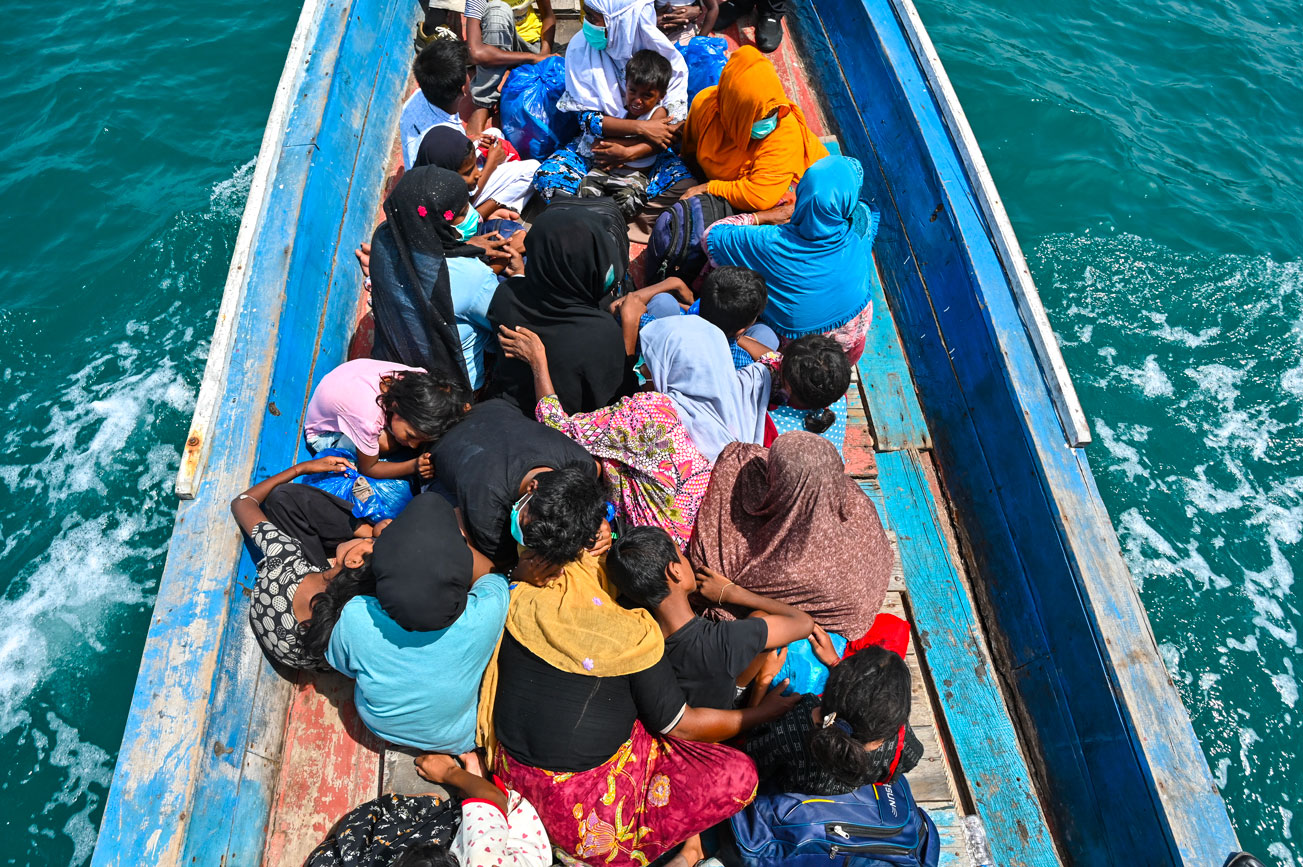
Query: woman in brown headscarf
[[788, 523]]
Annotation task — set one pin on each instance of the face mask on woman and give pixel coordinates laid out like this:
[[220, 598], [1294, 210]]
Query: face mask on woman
[[469, 225], [595, 35], [764, 126], [518, 532]]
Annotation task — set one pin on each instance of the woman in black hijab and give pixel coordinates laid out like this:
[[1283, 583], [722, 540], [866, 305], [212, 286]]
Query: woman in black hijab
[[576, 253], [417, 319]]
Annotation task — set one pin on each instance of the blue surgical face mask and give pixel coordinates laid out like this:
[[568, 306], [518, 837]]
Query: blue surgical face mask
[[764, 126], [518, 532], [595, 35], [469, 225], [610, 277]]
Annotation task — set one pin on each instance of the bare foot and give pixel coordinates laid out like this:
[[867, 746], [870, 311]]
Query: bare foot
[[690, 854]]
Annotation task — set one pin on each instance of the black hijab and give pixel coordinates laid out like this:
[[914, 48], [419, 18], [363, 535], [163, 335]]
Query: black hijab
[[410, 294], [575, 254], [422, 566], [445, 148]]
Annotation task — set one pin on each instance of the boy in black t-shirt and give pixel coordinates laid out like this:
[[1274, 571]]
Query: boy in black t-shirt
[[710, 659]]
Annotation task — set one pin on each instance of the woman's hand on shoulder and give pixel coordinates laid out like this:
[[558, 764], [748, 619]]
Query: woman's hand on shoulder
[[522, 345], [328, 464], [823, 649], [698, 190], [658, 132]]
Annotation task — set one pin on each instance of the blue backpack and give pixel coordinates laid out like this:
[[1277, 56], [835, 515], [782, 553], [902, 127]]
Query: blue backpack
[[873, 826], [674, 247]]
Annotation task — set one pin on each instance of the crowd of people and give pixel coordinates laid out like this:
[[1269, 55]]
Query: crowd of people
[[627, 517]]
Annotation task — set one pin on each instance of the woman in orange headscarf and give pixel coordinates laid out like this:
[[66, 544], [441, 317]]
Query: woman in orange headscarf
[[749, 140]]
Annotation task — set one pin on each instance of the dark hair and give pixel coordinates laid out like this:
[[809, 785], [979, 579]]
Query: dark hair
[[326, 605], [817, 374], [429, 854], [430, 402], [637, 562], [440, 70], [869, 692], [649, 69], [732, 298], [565, 513]]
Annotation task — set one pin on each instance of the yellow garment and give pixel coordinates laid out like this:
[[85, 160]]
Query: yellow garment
[[752, 174], [529, 27], [574, 624]]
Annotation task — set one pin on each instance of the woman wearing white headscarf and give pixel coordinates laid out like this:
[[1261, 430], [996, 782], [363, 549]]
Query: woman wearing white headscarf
[[613, 31]]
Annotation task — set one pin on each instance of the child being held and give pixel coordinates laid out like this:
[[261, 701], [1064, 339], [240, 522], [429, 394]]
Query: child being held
[[855, 734], [712, 660], [646, 81]]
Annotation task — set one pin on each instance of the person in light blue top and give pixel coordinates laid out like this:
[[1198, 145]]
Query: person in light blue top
[[397, 695], [434, 608]]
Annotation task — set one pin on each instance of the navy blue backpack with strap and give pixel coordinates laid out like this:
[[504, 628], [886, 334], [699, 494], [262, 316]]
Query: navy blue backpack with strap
[[873, 826]]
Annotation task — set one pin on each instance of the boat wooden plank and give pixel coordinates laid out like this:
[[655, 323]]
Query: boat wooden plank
[[331, 763], [889, 396], [954, 851], [1054, 583], [953, 646]]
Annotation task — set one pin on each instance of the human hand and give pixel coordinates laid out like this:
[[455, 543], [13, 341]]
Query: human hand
[[363, 254], [542, 55], [425, 465], [380, 526], [698, 190], [602, 543], [522, 345], [629, 307], [712, 585], [609, 154], [533, 569], [787, 198], [493, 245], [328, 464], [775, 704], [773, 664], [435, 767], [775, 216], [658, 132], [471, 762], [497, 154], [823, 649]]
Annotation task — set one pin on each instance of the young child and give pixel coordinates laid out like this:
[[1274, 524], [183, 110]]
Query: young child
[[375, 407], [712, 660], [811, 376], [646, 81], [499, 828], [731, 298], [855, 734]]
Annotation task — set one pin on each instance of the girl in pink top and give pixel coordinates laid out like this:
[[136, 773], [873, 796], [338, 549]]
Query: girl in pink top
[[376, 407]]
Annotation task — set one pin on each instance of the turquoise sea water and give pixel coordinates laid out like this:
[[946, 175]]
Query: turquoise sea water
[[1150, 156]]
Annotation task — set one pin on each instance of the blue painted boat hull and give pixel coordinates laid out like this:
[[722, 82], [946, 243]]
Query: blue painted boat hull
[[1122, 776]]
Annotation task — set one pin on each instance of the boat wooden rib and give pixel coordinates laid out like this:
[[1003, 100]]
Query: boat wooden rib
[[1050, 721]]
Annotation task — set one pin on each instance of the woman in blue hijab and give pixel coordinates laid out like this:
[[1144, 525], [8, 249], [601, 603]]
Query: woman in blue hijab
[[817, 267]]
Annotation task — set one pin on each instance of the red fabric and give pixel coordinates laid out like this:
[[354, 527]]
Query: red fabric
[[887, 631], [771, 431], [895, 759], [653, 794]]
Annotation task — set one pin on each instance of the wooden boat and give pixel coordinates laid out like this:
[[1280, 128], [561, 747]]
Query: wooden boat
[[1050, 720]]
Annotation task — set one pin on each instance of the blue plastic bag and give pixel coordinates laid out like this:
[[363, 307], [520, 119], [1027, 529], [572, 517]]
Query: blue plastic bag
[[706, 56], [387, 498], [807, 673], [530, 119]]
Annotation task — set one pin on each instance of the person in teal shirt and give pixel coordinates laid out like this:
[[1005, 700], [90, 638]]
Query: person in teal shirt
[[420, 689]]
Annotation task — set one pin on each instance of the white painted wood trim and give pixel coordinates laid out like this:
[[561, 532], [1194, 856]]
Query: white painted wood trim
[[1071, 416], [194, 452]]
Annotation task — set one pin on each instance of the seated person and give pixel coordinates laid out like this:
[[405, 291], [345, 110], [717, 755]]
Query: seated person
[[855, 734], [431, 581], [375, 408], [788, 523], [613, 173], [446, 148], [283, 601], [440, 72], [810, 386], [573, 261], [613, 31], [818, 268], [320, 521], [501, 36], [681, 20], [730, 298], [746, 138], [499, 828], [712, 660], [581, 707], [495, 457], [656, 447]]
